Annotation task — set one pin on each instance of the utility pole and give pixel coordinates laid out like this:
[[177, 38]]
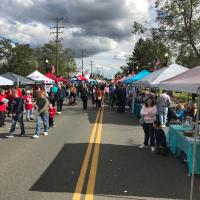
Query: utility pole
[[91, 63], [57, 40], [82, 56]]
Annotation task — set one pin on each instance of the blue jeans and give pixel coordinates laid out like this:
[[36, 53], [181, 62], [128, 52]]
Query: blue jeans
[[15, 119], [29, 114], [43, 117], [163, 116]]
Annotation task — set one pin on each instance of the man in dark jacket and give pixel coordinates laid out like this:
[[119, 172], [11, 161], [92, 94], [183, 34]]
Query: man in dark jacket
[[17, 114], [84, 96], [60, 95]]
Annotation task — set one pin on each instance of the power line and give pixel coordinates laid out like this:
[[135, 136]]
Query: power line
[[57, 40]]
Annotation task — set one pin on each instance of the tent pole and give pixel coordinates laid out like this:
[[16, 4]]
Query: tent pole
[[195, 146]]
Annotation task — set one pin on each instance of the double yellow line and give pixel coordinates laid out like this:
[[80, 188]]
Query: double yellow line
[[96, 132]]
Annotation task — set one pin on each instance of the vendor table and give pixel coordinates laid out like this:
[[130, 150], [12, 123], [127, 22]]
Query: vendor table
[[179, 143], [137, 109]]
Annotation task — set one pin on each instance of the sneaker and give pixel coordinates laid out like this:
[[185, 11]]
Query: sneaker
[[153, 149], [143, 146], [35, 136], [22, 134], [45, 133], [53, 126], [31, 119], [163, 126], [59, 113], [10, 136]]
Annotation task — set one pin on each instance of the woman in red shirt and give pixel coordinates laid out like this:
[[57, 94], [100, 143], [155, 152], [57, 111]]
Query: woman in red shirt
[[3, 107], [28, 101]]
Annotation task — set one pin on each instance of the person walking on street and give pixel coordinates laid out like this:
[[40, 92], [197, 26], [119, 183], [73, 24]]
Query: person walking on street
[[52, 113], [106, 94], [163, 103], [84, 96], [148, 113], [111, 95], [3, 107], [17, 114], [42, 105], [99, 96], [52, 95], [60, 98], [94, 96], [28, 101]]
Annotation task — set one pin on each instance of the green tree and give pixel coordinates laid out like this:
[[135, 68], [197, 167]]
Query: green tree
[[19, 59], [187, 57], [146, 52], [178, 25], [66, 59]]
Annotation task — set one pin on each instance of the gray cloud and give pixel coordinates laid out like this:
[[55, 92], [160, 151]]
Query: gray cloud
[[102, 22]]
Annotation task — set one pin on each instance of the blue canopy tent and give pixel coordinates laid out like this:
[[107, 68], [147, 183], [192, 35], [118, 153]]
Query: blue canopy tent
[[137, 77]]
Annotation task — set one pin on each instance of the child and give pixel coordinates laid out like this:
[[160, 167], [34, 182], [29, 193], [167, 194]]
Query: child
[[161, 144], [52, 113], [28, 101]]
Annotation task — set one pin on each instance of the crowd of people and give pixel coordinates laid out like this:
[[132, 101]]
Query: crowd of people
[[14, 101], [156, 111]]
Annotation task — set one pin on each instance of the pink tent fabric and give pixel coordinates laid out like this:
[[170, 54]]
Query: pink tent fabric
[[52, 76], [82, 78]]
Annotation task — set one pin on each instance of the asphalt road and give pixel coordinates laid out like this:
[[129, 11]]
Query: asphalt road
[[109, 167]]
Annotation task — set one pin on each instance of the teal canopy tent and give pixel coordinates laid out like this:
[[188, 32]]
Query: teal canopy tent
[[137, 77]]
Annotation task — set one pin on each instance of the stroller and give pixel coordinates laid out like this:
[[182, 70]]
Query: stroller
[[72, 100]]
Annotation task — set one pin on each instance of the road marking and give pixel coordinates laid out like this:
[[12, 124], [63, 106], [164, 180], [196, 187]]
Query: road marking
[[93, 170], [79, 186]]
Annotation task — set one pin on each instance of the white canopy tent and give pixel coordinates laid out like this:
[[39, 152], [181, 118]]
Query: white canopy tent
[[39, 77], [188, 81], [154, 79], [5, 81]]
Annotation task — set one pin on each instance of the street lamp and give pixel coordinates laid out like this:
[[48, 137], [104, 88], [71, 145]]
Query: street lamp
[[46, 61], [166, 59]]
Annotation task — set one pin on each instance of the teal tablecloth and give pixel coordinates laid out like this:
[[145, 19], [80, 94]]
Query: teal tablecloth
[[137, 109], [178, 143]]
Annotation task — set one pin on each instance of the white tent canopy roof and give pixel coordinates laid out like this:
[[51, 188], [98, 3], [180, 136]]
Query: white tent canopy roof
[[153, 79], [188, 81], [37, 76], [5, 81]]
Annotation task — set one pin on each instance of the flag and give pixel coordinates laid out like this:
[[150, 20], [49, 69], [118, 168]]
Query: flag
[[53, 70], [156, 63]]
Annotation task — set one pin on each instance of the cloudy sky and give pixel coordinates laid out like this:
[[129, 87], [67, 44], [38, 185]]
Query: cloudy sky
[[101, 27]]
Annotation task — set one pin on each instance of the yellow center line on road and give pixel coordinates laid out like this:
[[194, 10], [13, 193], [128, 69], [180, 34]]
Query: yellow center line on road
[[79, 186], [93, 170]]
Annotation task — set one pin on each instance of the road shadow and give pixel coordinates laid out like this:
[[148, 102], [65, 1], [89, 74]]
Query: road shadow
[[122, 171]]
